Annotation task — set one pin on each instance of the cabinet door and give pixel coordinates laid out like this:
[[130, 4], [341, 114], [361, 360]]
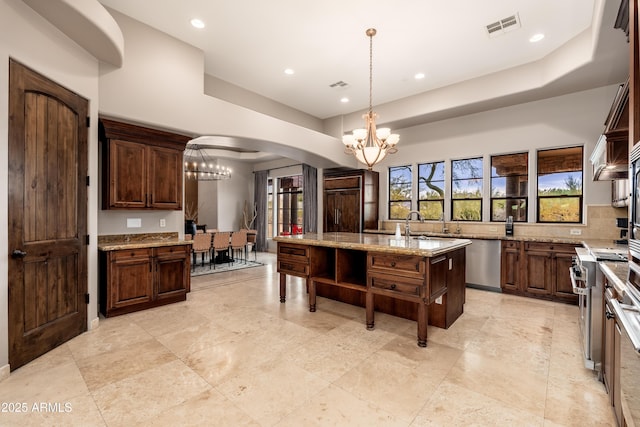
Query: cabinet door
[[165, 178], [131, 278], [538, 277], [510, 266], [563, 288], [438, 270], [331, 212], [349, 211], [172, 267], [128, 175]]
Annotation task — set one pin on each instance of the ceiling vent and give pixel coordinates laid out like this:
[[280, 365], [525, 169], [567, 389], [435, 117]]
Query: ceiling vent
[[338, 84], [504, 25]]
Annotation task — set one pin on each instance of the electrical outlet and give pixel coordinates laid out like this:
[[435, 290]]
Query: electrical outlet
[[163, 222], [575, 232], [493, 229]]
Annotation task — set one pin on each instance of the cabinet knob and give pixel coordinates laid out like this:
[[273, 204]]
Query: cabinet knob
[[393, 263], [393, 286], [17, 253], [610, 315]]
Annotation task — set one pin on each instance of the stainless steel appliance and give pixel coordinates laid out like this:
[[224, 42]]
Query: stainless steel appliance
[[588, 283]]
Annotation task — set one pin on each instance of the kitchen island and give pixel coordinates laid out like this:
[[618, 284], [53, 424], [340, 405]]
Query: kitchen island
[[421, 279]]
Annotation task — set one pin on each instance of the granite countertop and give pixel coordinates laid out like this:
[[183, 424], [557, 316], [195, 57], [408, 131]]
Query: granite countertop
[[616, 273], [379, 243], [117, 242]]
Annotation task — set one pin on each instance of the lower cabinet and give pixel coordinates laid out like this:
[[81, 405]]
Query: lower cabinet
[[612, 336], [538, 269], [137, 279]]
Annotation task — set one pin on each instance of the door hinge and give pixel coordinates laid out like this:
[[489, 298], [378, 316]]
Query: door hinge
[[88, 180], [86, 298], [87, 239], [88, 121]]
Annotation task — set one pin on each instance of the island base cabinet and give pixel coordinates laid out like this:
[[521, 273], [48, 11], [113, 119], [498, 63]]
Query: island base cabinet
[[137, 279]]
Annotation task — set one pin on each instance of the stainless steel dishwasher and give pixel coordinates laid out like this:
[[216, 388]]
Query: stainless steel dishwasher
[[483, 264]]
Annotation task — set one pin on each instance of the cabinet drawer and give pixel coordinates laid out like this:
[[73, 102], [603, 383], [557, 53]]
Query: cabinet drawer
[[510, 244], [339, 183], [173, 252], [404, 265], [555, 247], [132, 254], [396, 285], [293, 268], [295, 253]]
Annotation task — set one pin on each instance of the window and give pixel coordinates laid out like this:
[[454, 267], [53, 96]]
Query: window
[[466, 189], [269, 208], [509, 182], [560, 185], [431, 190], [290, 205], [399, 192]]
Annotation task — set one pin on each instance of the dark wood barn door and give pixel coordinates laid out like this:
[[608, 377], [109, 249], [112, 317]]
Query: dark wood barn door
[[47, 215]]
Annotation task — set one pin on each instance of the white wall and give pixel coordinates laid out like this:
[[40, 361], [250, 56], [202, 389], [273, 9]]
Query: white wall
[[220, 203], [29, 39], [575, 119]]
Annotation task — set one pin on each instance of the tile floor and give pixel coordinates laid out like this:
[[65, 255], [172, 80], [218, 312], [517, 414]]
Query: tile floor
[[233, 355]]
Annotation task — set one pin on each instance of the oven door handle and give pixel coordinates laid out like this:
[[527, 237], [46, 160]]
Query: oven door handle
[[631, 331], [578, 290]]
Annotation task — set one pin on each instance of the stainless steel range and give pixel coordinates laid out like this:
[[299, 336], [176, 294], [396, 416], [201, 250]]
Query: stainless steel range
[[588, 283]]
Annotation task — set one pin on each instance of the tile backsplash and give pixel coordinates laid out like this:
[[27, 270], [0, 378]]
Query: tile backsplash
[[600, 224]]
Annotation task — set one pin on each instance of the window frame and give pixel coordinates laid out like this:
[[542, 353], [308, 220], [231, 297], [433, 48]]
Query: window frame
[[427, 200], [454, 180], [410, 190], [579, 197], [506, 197]]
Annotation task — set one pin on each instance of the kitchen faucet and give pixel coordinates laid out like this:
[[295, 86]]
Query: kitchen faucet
[[444, 224], [407, 229]]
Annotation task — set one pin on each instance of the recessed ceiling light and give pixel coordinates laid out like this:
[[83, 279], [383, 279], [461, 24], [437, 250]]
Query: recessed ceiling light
[[536, 37], [419, 76], [344, 100], [197, 23], [289, 71]]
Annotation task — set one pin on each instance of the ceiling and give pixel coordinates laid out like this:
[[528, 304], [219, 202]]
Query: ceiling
[[250, 43]]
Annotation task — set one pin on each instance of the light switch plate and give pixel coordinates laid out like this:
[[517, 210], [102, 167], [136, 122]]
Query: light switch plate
[[163, 222], [134, 222], [576, 232]]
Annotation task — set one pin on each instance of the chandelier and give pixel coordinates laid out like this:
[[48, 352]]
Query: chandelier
[[370, 145], [202, 167]]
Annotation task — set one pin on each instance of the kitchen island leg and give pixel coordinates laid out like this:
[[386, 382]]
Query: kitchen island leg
[[423, 318]]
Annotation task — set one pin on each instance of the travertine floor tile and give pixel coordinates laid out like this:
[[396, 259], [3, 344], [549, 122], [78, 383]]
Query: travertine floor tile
[[144, 396], [232, 355]]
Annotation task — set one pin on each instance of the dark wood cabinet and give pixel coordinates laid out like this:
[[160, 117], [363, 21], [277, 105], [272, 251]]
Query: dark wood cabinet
[[510, 265], [137, 279], [612, 336], [537, 269], [141, 167], [350, 202]]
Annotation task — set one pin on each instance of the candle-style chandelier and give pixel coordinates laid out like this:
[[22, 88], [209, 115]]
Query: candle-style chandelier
[[370, 145], [200, 166]]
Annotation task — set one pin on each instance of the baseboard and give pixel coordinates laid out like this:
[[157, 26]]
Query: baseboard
[[4, 372], [484, 287], [94, 323]]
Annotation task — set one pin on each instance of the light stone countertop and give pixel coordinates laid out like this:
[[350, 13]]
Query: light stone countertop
[[616, 273], [427, 247], [139, 241]]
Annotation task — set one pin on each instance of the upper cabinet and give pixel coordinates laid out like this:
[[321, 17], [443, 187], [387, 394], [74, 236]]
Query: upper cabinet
[[141, 167]]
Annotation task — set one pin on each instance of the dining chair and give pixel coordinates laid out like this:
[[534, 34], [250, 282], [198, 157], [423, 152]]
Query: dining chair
[[220, 245], [201, 245], [238, 244], [251, 243]]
